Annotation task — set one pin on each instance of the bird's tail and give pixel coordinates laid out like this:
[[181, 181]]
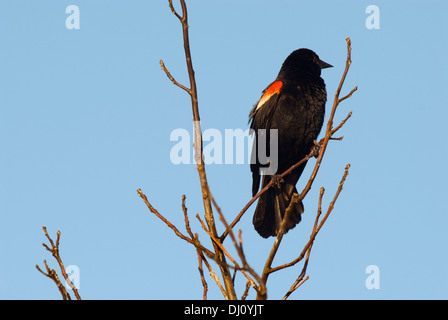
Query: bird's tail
[[272, 205]]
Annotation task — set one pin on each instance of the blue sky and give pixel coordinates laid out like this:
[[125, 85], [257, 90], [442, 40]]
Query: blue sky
[[86, 117]]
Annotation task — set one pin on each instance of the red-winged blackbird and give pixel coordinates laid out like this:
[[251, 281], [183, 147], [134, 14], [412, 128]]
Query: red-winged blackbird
[[294, 104]]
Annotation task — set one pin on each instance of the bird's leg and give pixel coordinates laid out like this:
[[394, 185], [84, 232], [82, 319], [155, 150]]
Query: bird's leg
[[276, 179], [315, 148]]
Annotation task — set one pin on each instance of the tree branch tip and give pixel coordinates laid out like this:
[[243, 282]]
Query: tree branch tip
[[174, 10], [349, 42]]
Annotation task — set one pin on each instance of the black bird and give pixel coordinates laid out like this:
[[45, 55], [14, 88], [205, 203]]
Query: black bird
[[294, 104]]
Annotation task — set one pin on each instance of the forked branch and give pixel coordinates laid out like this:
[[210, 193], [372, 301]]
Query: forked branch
[[51, 273]]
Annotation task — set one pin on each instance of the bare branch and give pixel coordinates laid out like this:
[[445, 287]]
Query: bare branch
[[201, 273], [216, 278], [299, 281], [317, 228], [228, 255], [227, 278], [174, 10], [348, 95], [187, 221], [51, 273], [333, 131], [261, 288], [193, 241], [168, 74], [212, 275], [246, 291], [295, 287]]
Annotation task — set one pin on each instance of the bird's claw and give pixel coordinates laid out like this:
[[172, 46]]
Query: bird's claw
[[316, 149], [277, 180]]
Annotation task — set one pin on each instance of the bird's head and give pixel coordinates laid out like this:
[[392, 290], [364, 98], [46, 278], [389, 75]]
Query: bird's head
[[303, 62]]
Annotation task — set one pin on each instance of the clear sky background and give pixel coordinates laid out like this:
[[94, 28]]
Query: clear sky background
[[86, 117]]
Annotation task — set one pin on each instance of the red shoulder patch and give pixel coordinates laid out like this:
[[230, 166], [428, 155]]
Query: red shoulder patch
[[274, 88]]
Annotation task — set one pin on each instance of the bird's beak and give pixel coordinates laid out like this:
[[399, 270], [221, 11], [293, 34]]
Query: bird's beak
[[323, 65]]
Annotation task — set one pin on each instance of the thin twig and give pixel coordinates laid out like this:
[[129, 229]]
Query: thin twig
[[201, 273], [299, 281], [333, 131], [174, 10], [213, 276], [51, 273], [243, 269], [317, 229], [199, 253], [193, 241], [348, 95], [168, 74], [187, 221], [295, 287], [246, 291], [261, 288]]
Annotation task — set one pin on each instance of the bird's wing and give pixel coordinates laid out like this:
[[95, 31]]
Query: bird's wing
[[261, 116], [269, 93]]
